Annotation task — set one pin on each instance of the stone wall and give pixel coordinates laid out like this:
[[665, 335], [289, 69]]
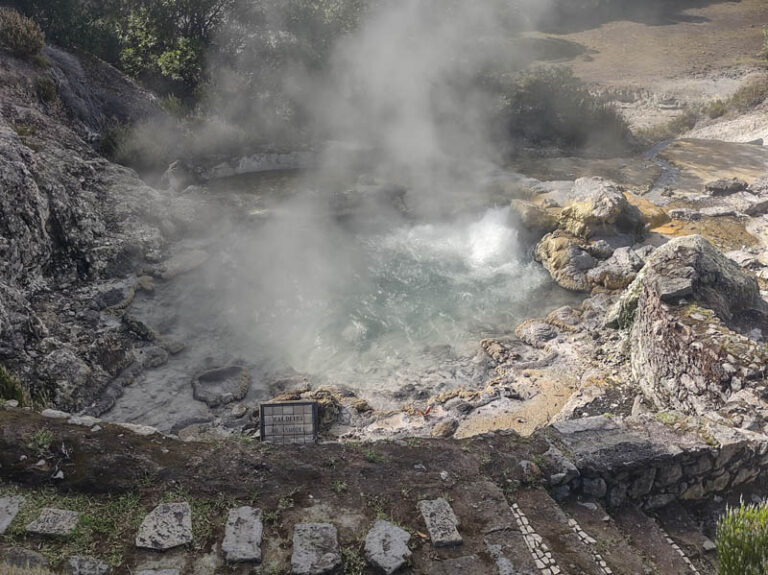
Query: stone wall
[[653, 460]]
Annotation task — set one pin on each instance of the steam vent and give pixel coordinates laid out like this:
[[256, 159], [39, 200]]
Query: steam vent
[[377, 287]]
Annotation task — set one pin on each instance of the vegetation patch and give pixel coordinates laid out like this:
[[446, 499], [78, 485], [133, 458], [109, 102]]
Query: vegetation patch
[[19, 35], [742, 540]]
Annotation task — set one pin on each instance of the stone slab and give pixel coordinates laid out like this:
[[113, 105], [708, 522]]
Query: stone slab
[[242, 535], [23, 558], [168, 525], [9, 508], [78, 565], [315, 549], [54, 522], [441, 522], [386, 547]]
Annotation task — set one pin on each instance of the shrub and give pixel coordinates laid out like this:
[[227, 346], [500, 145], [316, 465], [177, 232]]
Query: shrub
[[11, 388], [742, 540], [550, 106], [46, 90], [19, 35], [750, 95]]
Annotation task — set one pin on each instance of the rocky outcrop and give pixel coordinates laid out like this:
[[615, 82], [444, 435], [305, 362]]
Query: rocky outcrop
[[75, 228], [697, 340], [593, 243]]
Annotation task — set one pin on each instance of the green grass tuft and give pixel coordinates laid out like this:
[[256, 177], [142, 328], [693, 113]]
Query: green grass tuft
[[742, 540]]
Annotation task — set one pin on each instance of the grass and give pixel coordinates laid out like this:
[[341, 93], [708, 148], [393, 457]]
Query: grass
[[372, 456], [8, 570], [12, 389], [41, 441], [352, 560], [742, 540], [339, 486], [105, 530]]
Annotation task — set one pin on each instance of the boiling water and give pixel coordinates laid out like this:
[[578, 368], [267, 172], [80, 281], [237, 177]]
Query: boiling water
[[378, 306]]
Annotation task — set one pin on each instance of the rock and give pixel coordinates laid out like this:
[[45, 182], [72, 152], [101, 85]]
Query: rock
[[718, 212], [684, 214], [54, 414], [386, 547], [725, 187], [600, 209], [618, 271], [676, 366], [86, 566], [533, 217], [9, 508], [222, 385], [168, 525], [441, 522], [159, 572], [183, 263], [535, 333], [23, 559], [54, 522], [315, 549], [445, 428], [142, 430], [242, 535], [594, 487]]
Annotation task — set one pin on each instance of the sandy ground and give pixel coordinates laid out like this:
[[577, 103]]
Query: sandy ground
[[685, 53]]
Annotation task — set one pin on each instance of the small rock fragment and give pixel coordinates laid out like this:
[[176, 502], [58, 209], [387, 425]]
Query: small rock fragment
[[242, 535], [54, 522], [315, 549]]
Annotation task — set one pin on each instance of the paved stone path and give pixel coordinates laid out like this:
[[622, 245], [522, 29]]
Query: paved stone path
[[316, 548], [539, 550], [167, 526], [54, 522]]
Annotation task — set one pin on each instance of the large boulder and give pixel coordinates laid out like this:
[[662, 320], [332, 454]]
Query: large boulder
[[592, 245], [698, 328]]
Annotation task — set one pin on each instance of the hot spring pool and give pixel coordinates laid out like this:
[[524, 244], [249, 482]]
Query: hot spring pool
[[391, 306]]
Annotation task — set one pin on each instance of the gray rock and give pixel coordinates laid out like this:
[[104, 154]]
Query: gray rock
[[86, 566], [54, 522], [23, 558], [441, 522], [725, 187], [386, 547], [242, 535], [168, 525], [673, 289], [594, 487], [315, 549], [159, 572], [9, 508], [222, 386], [684, 214]]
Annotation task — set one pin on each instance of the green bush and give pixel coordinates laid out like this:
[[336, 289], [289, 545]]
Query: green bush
[[11, 388], [742, 540], [19, 35], [551, 107], [46, 90]]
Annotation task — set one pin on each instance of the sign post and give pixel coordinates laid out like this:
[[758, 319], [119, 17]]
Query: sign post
[[289, 422]]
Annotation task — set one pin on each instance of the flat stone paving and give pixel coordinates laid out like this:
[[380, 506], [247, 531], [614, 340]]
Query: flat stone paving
[[242, 535], [9, 508], [54, 522], [78, 565], [441, 522], [315, 549], [386, 547], [167, 526]]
